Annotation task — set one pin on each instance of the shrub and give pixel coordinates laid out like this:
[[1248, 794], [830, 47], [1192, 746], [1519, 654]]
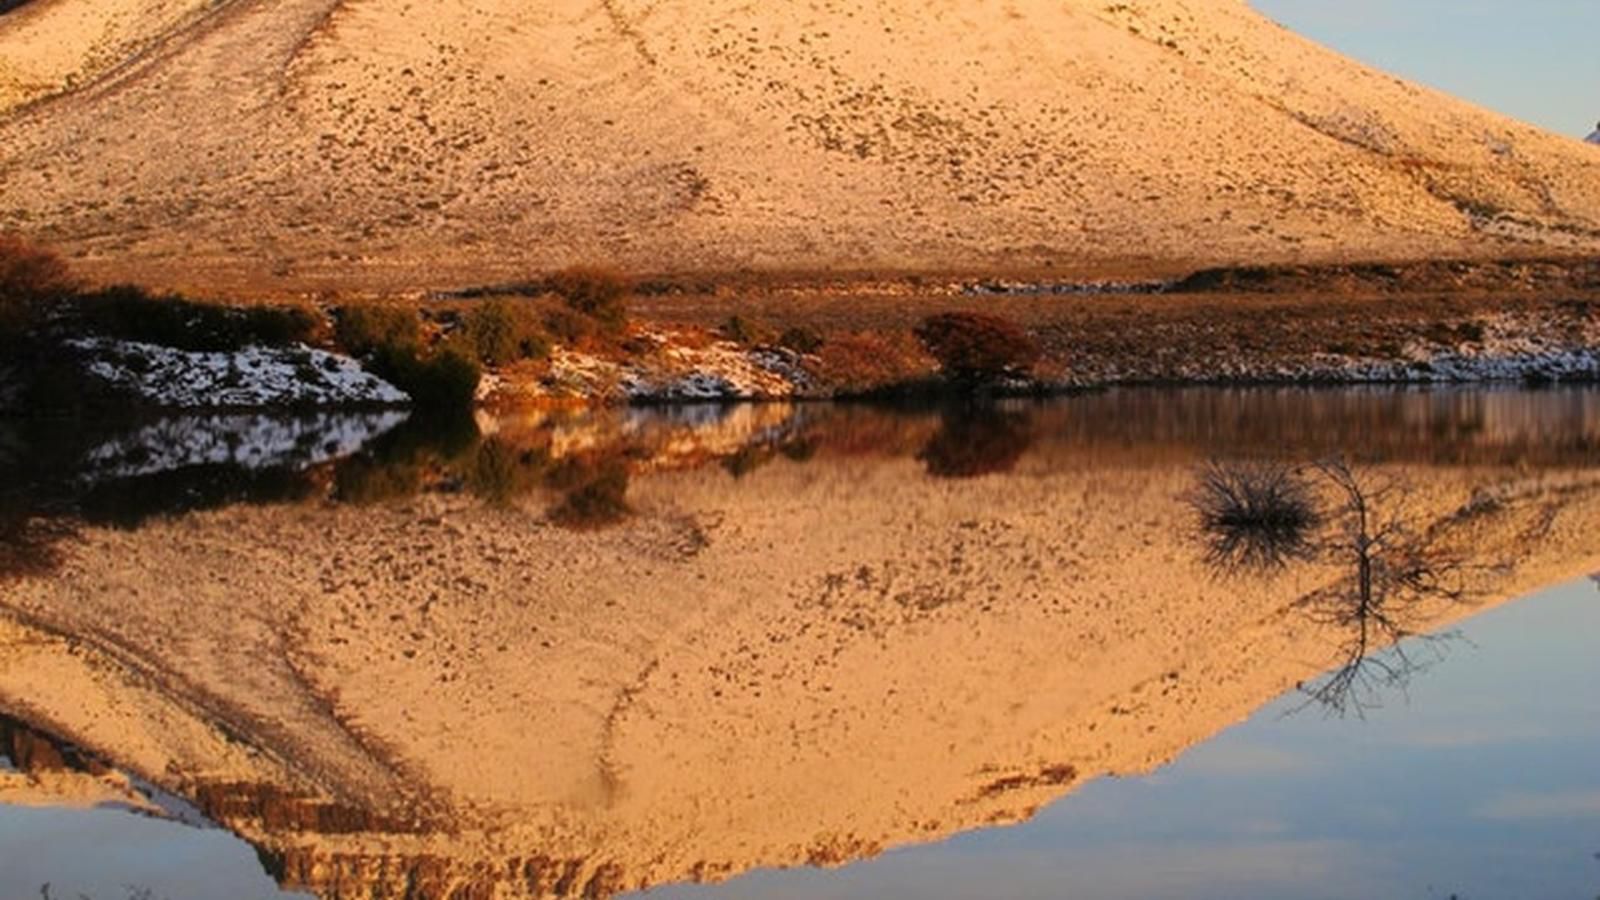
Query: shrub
[[868, 362], [446, 380], [567, 325], [30, 277], [974, 347], [131, 313], [366, 329], [1255, 516], [745, 332], [596, 292], [801, 340], [501, 332]]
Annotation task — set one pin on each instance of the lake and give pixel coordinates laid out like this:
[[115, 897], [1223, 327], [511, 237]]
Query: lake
[[1140, 643]]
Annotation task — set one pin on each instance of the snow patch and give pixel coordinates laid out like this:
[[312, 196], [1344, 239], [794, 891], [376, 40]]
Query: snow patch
[[251, 377], [717, 372], [1002, 288]]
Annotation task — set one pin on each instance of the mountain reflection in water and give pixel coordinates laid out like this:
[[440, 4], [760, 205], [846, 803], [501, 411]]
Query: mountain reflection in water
[[573, 654]]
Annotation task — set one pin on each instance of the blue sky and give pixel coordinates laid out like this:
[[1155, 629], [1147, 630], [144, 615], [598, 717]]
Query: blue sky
[[1537, 60]]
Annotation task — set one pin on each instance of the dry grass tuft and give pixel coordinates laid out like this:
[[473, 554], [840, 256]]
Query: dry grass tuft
[[597, 292], [869, 362]]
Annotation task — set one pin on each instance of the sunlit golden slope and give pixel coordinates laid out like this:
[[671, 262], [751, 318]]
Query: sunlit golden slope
[[381, 143]]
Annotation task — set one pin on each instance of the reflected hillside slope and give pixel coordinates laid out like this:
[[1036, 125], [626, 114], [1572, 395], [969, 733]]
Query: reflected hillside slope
[[654, 649]]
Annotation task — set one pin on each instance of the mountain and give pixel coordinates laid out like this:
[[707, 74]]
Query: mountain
[[377, 144]]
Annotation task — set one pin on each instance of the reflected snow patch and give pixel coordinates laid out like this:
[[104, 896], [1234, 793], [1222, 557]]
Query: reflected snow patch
[[252, 442]]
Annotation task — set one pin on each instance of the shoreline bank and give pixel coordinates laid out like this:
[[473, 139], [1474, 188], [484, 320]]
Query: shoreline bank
[[687, 365], [662, 342]]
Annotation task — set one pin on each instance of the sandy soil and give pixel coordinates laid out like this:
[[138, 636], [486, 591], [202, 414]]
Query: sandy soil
[[807, 664], [323, 144]]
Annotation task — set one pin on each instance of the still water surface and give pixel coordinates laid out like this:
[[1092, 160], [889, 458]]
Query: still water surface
[[968, 651]]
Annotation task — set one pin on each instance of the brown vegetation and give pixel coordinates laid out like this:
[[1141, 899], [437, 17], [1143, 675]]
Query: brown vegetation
[[801, 339], [973, 347], [863, 363], [30, 276], [445, 379], [597, 292], [502, 331], [131, 313], [365, 329], [746, 332]]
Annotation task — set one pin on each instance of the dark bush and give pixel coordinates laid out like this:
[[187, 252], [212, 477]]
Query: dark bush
[[131, 313], [598, 500], [974, 347], [596, 292], [501, 332], [366, 329], [446, 380], [801, 340], [567, 325], [501, 472], [746, 332], [1255, 516], [972, 442], [31, 277]]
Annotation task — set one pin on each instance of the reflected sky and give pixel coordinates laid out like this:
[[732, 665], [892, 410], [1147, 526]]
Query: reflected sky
[[1481, 782], [115, 855]]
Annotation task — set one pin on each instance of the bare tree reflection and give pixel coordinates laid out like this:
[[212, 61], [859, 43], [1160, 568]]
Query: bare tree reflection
[[1261, 517], [1400, 579], [1375, 665]]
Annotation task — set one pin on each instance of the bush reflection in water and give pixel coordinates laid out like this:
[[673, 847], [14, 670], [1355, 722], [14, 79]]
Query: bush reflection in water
[[1260, 517]]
